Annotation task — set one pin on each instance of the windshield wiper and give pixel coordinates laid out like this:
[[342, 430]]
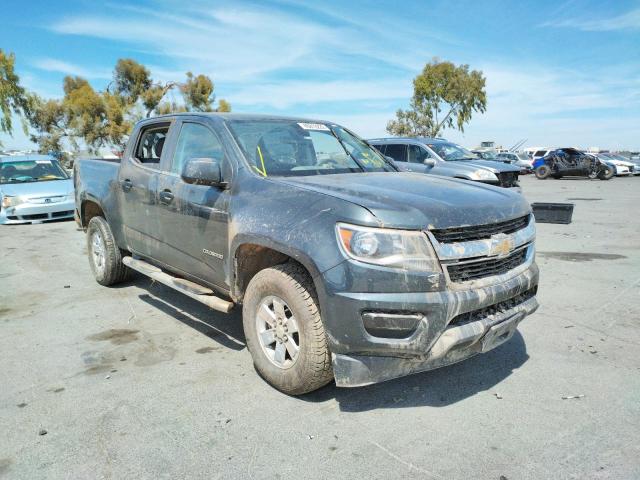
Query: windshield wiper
[[362, 167]]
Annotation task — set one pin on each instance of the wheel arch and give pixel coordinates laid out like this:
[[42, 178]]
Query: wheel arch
[[253, 254]]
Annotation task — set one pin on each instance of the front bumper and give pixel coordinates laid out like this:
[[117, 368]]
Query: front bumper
[[455, 325], [42, 212]]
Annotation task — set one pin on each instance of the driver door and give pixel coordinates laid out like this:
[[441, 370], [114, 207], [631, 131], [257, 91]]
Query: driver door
[[194, 218], [420, 160]]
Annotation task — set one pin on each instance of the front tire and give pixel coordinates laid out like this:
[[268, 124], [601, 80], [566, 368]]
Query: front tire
[[284, 330], [105, 257], [543, 172]]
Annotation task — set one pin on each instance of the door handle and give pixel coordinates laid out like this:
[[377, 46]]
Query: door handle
[[126, 185], [166, 197]]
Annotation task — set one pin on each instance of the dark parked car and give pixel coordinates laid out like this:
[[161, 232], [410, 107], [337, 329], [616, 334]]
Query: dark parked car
[[344, 267], [571, 162], [437, 156]]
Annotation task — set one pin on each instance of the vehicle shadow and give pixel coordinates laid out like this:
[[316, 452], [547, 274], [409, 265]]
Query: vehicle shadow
[[436, 388], [226, 329]]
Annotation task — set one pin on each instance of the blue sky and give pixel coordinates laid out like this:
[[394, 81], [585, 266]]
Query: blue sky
[[558, 73]]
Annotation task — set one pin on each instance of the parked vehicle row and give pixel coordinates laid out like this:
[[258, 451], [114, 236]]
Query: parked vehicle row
[[345, 267], [437, 156]]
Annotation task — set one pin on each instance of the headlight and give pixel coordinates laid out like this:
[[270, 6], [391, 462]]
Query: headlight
[[404, 249], [484, 175], [9, 201]]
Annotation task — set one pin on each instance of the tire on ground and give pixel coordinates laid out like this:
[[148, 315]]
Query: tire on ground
[[606, 173], [312, 368], [542, 172], [114, 270]]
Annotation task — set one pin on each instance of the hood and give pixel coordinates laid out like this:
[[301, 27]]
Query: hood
[[51, 188], [492, 166], [620, 163], [415, 200]]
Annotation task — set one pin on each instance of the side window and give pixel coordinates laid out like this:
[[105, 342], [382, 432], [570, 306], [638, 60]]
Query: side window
[[151, 143], [417, 154], [380, 148], [396, 151], [195, 141]]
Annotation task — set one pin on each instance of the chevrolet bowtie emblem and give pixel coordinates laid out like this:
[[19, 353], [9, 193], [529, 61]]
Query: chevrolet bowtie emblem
[[502, 245]]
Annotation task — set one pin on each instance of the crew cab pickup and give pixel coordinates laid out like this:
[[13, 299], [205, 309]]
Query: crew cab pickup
[[344, 267]]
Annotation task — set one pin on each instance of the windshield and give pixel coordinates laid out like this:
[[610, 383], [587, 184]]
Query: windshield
[[487, 155], [452, 152], [290, 148], [28, 171]]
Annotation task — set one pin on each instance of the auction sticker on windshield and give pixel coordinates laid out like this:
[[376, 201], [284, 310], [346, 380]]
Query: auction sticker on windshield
[[314, 126]]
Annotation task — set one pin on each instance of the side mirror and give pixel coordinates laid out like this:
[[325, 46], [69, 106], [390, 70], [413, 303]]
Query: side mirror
[[203, 171], [429, 162]]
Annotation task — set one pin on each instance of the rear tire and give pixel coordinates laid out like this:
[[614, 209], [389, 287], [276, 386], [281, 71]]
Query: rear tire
[[280, 314], [543, 172], [606, 173], [105, 257]]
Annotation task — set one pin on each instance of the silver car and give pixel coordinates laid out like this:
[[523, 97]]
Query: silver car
[[437, 156], [34, 188]]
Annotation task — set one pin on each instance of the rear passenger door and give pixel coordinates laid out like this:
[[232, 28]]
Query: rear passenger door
[[194, 218]]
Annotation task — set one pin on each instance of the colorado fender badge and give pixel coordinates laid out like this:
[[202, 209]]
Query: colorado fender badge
[[212, 254]]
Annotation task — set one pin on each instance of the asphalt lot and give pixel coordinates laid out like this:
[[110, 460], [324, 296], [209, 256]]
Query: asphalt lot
[[141, 382]]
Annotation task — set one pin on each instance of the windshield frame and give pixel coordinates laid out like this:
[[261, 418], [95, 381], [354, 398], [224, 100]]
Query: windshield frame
[[54, 162], [342, 135]]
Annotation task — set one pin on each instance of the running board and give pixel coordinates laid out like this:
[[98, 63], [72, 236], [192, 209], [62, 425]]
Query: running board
[[190, 289]]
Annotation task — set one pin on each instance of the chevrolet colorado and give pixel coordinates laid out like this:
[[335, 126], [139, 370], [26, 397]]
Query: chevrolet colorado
[[345, 268]]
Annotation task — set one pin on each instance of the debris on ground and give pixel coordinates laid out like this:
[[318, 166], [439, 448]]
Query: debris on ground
[[42, 432], [498, 396], [569, 397]]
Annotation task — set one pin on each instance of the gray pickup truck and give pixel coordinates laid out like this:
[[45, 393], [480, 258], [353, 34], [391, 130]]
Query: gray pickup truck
[[345, 268]]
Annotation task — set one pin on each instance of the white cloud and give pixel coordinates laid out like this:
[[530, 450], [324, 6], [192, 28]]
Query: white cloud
[[230, 43], [54, 65], [287, 94], [626, 21]]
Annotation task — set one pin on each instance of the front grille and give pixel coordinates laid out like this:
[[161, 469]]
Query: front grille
[[479, 232], [462, 272], [65, 213], [497, 308], [508, 179], [35, 216]]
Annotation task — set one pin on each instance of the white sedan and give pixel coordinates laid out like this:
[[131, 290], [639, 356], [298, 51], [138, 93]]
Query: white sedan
[[623, 167]]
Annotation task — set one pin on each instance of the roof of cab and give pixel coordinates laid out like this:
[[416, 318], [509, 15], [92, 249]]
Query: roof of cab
[[25, 158], [412, 139], [239, 116]]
